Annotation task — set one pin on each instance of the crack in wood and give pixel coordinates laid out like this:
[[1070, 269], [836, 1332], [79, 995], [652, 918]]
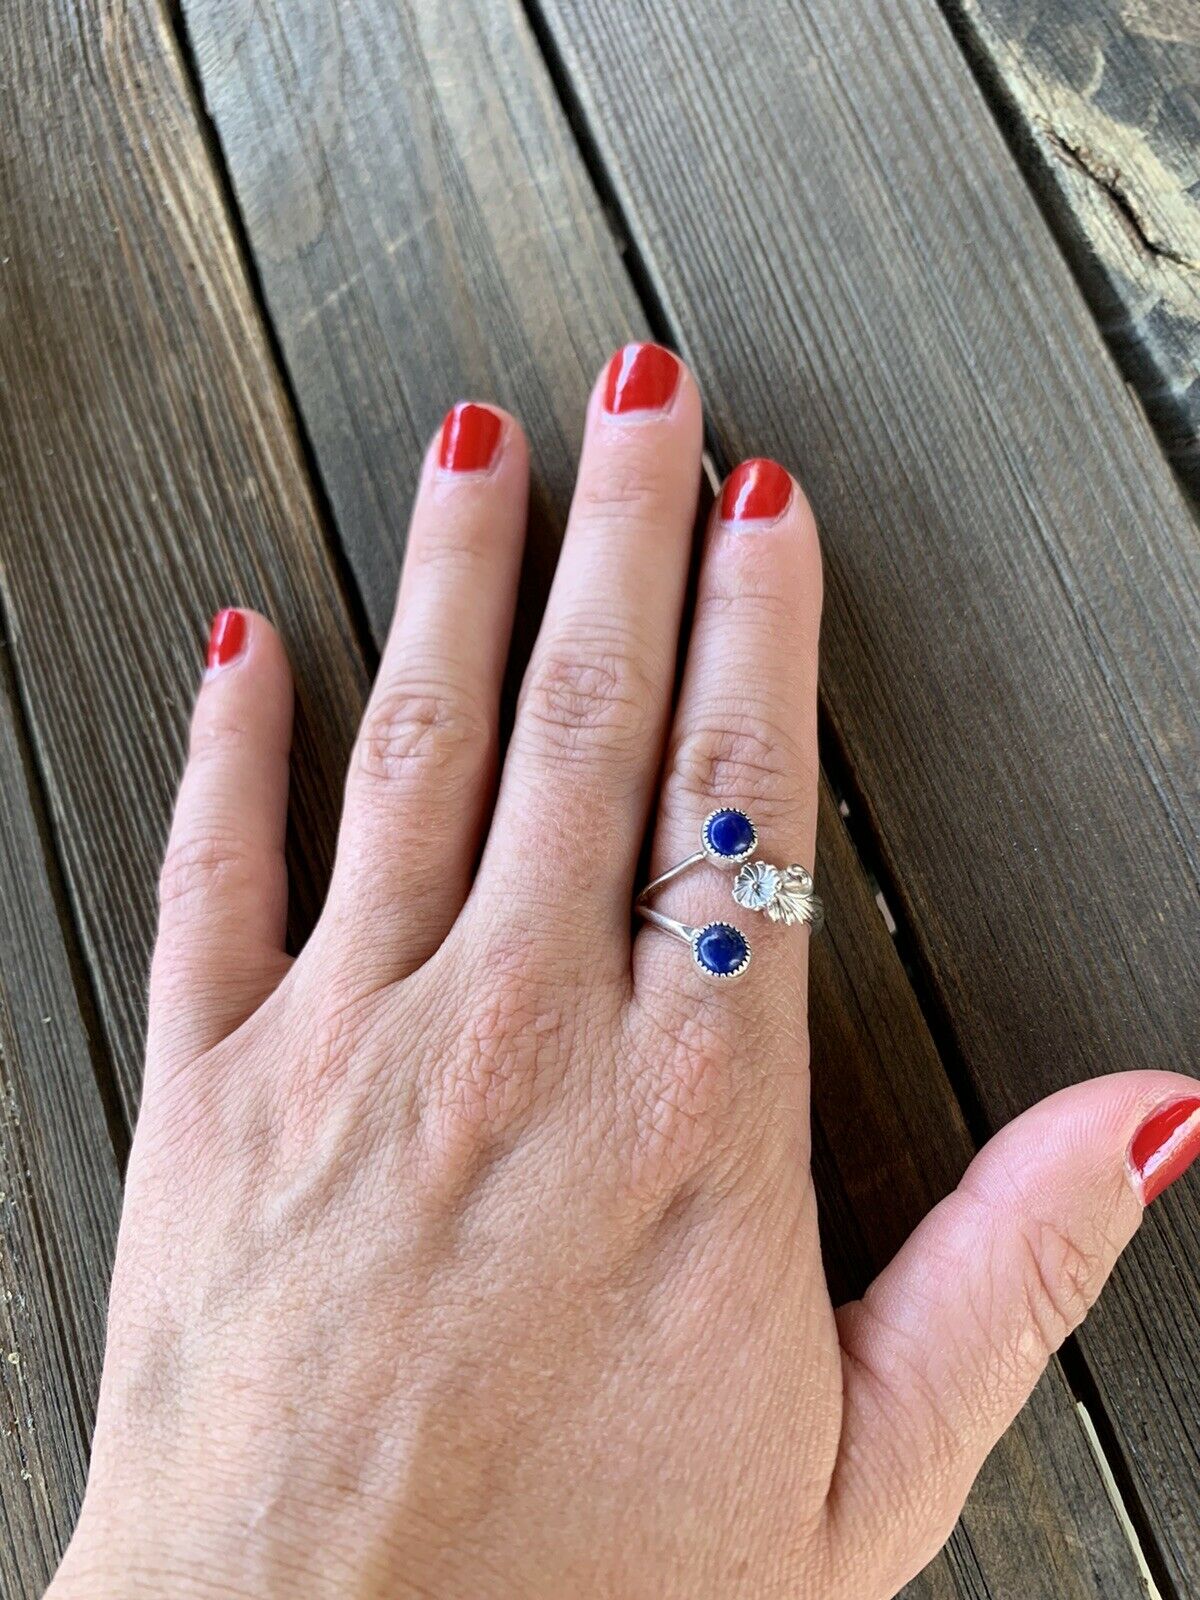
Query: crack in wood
[[1107, 176]]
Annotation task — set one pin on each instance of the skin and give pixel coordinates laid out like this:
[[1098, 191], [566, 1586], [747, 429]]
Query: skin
[[474, 1251]]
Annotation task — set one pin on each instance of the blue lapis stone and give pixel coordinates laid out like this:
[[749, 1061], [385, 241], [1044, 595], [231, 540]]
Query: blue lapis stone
[[721, 950], [729, 833]]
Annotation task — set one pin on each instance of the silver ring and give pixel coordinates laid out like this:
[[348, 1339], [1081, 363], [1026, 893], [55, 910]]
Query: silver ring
[[728, 839]]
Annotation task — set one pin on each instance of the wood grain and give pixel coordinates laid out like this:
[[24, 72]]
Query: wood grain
[[58, 1198], [150, 473], [852, 262], [1101, 99], [404, 230], [424, 228]]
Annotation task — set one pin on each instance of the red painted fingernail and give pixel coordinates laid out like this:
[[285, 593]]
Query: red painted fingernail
[[641, 377], [757, 491], [226, 638], [1165, 1146], [470, 435]]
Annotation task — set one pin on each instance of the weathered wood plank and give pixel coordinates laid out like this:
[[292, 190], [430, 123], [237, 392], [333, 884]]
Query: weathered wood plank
[[404, 231], [1101, 99], [849, 255], [58, 1199], [150, 472], [424, 228]]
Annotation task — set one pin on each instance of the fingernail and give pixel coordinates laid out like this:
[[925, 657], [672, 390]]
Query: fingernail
[[226, 639], [1165, 1146], [470, 435], [756, 491], [641, 377]]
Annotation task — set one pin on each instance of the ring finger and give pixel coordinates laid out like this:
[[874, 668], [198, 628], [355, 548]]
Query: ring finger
[[745, 733]]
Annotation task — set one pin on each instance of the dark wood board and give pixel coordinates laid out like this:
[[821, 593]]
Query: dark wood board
[[59, 1192], [404, 230], [1101, 100], [423, 228], [833, 227], [150, 473]]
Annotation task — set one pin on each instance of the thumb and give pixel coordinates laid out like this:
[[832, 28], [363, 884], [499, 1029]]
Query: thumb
[[950, 1339]]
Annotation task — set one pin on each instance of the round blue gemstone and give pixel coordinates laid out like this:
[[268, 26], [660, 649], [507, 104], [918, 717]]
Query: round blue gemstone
[[721, 949], [729, 833]]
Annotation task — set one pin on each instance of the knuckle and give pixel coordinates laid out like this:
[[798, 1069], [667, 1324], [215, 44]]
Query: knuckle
[[1061, 1281], [454, 550], [410, 734], [731, 754], [593, 701], [625, 493], [218, 730], [750, 598], [196, 870]]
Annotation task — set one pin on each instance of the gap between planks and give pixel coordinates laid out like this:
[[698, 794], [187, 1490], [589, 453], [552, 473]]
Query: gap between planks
[[176, 31], [862, 840], [83, 986], [642, 288], [1120, 1510]]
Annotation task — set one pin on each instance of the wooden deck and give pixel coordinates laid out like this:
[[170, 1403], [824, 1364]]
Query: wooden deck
[[943, 259]]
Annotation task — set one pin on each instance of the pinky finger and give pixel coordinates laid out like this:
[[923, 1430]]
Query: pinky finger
[[223, 889]]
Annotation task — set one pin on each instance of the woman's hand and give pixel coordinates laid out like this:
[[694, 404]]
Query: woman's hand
[[474, 1252]]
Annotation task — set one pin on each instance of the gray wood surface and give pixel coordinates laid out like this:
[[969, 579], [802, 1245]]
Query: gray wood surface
[[850, 258], [424, 228], [150, 473], [419, 227], [58, 1196], [150, 470], [1102, 101]]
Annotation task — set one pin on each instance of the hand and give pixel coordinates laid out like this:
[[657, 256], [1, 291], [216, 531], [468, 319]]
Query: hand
[[474, 1252]]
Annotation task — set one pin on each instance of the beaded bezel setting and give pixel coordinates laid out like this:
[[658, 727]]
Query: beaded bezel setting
[[728, 837], [721, 951]]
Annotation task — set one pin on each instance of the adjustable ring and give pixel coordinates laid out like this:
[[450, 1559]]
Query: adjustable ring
[[728, 839]]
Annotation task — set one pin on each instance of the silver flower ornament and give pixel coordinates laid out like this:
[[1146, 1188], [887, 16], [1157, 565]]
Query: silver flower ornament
[[784, 894], [756, 886]]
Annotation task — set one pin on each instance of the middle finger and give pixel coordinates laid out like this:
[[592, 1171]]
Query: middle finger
[[587, 742]]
